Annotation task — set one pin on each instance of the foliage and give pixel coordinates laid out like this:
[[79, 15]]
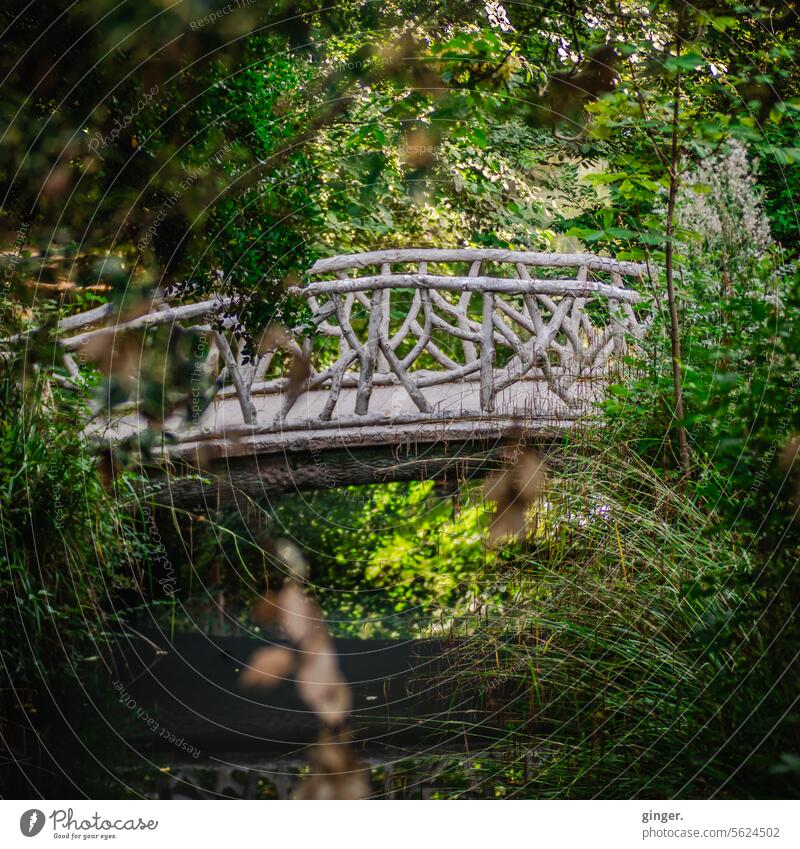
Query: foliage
[[740, 333], [71, 553], [169, 149], [393, 560]]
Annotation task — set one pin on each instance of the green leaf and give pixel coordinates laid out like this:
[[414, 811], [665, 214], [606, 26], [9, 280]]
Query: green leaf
[[786, 155], [686, 62], [723, 22], [479, 137]]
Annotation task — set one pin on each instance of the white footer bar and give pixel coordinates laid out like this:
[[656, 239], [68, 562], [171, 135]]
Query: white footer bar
[[401, 824]]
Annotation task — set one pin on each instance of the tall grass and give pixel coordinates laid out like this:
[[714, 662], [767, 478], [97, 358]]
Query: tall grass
[[610, 658]]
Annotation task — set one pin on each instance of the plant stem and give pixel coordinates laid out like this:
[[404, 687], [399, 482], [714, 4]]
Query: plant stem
[[674, 330]]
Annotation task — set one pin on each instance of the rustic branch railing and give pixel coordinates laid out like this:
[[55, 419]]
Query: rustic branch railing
[[414, 320], [399, 325]]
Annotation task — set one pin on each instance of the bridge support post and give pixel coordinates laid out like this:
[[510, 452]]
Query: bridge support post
[[487, 353], [370, 358]]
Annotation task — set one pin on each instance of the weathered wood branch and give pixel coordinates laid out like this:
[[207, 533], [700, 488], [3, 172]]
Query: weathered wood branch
[[150, 319], [501, 285], [532, 258], [246, 404]]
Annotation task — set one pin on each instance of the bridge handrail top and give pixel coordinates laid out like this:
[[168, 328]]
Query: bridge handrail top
[[499, 285], [540, 259], [159, 313]]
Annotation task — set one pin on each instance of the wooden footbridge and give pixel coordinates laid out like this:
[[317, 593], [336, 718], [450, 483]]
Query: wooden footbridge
[[411, 360]]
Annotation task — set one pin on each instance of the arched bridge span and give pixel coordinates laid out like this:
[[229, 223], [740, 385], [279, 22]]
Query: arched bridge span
[[412, 358]]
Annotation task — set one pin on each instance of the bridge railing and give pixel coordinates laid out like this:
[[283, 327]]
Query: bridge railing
[[79, 333], [419, 320], [425, 317]]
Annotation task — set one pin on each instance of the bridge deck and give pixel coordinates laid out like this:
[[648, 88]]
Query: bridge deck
[[300, 452], [456, 414]]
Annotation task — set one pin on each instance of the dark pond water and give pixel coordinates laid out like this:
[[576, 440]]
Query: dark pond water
[[197, 733]]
